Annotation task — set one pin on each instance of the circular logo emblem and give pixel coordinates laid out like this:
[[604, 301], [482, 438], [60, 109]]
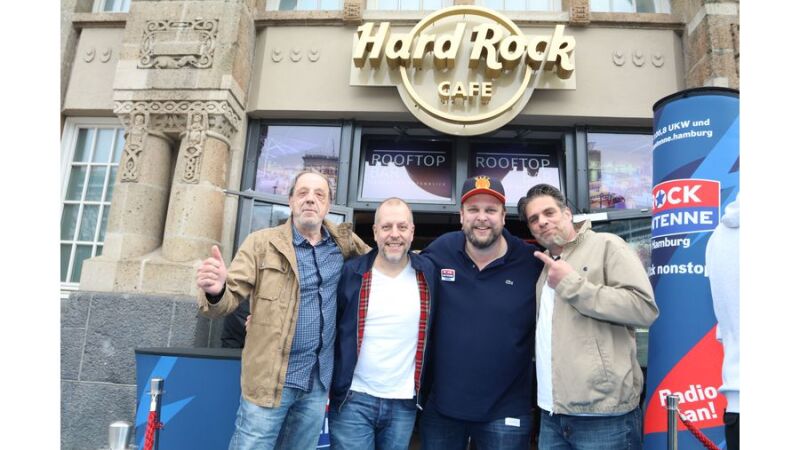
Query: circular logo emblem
[[468, 94]]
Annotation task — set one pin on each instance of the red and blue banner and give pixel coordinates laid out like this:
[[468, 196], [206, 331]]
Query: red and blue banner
[[695, 175]]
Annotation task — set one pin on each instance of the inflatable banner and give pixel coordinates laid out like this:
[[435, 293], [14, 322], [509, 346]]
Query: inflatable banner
[[695, 175]]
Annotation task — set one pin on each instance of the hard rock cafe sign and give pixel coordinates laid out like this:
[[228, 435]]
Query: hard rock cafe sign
[[463, 70]]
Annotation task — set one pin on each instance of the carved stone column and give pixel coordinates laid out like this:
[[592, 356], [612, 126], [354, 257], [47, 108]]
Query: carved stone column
[[194, 220], [138, 208]]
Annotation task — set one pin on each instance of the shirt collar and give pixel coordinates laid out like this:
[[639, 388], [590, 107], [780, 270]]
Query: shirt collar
[[299, 239]]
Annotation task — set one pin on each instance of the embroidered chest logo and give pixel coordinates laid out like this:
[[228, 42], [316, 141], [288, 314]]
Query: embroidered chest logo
[[448, 275]]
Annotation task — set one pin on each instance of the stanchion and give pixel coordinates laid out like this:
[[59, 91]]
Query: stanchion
[[673, 414], [672, 422], [153, 419]]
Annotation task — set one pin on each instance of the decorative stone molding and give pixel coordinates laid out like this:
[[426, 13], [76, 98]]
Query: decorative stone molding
[[353, 12], [88, 56], [171, 116], [195, 139], [313, 55], [277, 55], [638, 58], [579, 13], [134, 144], [168, 44], [295, 55], [105, 56], [658, 60], [618, 58]]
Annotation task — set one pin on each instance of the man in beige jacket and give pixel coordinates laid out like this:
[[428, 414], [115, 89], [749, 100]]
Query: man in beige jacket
[[590, 297], [290, 274]]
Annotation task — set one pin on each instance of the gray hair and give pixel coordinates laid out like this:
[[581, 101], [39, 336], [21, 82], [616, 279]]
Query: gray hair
[[540, 190], [316, 172]]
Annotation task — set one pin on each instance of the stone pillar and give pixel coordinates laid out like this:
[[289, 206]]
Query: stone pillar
[[194, 220], [136, 218]]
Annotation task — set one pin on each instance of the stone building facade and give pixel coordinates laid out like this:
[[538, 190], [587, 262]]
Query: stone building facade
[[186, 83]]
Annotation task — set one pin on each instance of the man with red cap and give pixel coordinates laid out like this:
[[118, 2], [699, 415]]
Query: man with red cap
[[482, 335]]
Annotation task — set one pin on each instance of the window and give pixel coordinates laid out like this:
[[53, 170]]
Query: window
[[112, 5], [408, 5], [620, 170], [631, 6], [285, 150], [91, 151], [521, 5], [304, 5]]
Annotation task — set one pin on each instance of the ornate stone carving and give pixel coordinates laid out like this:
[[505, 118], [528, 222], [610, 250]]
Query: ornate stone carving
[[195, 139], [295, 55], [168, 44], [579, 12], [134, 144], [313, 55], [171, 116], [88, 56], [352, 12], [276, 55]]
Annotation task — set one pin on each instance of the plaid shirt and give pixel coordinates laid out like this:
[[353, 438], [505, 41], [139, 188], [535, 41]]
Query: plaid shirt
[[319, 270]]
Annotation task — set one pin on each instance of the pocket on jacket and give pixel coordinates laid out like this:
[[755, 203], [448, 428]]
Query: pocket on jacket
[[599, 374], [273, 277]]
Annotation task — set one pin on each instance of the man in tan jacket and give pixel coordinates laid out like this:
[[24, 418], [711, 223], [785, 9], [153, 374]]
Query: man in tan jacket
[[590, 296], [290, 274]]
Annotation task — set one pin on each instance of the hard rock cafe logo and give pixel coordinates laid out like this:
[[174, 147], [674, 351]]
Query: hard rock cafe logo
[[463, 70], [482, 183]]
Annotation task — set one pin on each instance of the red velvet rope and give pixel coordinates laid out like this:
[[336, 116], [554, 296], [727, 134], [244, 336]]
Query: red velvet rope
[[150, 433], [699, 435]]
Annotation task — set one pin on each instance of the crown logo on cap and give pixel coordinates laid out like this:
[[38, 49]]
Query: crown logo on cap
[[482, 182]]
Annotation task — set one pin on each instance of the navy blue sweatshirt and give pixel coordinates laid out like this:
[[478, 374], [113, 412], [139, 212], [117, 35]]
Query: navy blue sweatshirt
[[482, 337]]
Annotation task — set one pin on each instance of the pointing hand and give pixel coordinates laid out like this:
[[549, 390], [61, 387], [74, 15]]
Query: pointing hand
[[557, 269]]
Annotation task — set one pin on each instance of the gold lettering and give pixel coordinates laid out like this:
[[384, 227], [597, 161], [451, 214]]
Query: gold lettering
[[446, 48], [367, 43], [424, 45], [511, 50], [444, 91], [486, 37], [398, 50], [561, 48]]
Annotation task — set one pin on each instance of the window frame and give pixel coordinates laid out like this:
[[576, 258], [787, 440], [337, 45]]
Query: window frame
[[274, 6], [555, 6], [97, 7], [635, 8], [69, 139], [372, 5]]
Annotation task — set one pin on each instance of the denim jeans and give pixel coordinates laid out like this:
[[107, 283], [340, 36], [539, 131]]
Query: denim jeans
[[364, 422], [445, 433], [294, 425], [559, 432]]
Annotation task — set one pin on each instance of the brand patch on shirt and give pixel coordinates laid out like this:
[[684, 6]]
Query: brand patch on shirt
[[448, 275], [512, 422], [509, 282]]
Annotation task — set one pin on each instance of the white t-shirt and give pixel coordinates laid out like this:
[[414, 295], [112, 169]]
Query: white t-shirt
[[544, 349], [385, 366]]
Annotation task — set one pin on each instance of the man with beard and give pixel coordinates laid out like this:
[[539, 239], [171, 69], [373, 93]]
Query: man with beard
[[290, 272], [382, 322], [592, 295], [482, 339]]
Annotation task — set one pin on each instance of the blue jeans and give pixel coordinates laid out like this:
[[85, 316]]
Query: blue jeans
[[294, 425], [366, 422], [559, 432], [445, 433]]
